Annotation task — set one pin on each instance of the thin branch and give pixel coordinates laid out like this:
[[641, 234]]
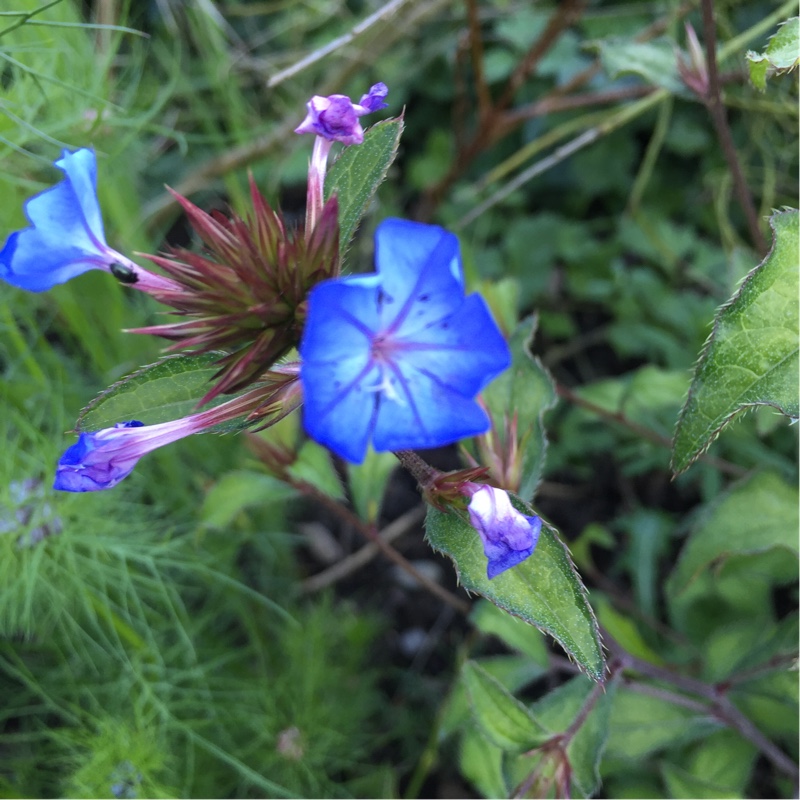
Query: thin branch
[[586, 709], [564, 15], [497, 126], [780, 662], [735, 719], [667, 696], [716, 109], [320, 53], [650, 435], [476, 50], [550, 105], [622, 117], [720, 706], [394, 530], [368, 531]]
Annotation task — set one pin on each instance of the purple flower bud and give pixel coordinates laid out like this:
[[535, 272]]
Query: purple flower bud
[[336, 117], [102, 459], [508, 536], [373, 100], [66, 236]]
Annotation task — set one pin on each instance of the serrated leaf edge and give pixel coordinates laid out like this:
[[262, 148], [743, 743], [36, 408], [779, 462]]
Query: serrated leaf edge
[[597, 677], [676, 470], [400, 118], [536, 726]]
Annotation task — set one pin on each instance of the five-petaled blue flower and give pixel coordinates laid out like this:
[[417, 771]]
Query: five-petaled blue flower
[[66, 236], [398, 357]]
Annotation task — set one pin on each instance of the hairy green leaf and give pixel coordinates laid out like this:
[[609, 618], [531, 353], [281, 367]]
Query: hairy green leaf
[[357, 173], [519, 398], [512, 672], [781, 55], [160, 392], [751, 357], [757, 515], [481, 763], [544, 590], [501, 717], [512, 631]]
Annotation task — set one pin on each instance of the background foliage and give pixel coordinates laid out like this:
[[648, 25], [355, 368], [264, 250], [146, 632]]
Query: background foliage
[[217, 627]]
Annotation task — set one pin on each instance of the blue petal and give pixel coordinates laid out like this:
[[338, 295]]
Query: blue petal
[[505, 559], [342, 316], [502, 556], [420, 272], [81, 170], [96, 462], [339, 398], [339, 404], [426, 412], [465, 350], [67, 236]]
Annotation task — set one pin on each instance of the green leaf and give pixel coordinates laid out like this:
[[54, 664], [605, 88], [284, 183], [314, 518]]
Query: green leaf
[[368, 483], [654, 61], [355, 176], [544, 590], [624, 630], [641, 724], [754, 516], [238, 490], [314, 466], [481, 763], [524, 392], [160, 392], [782, 53], [512, 631], [512, 672], [751, 357], [504, 721], [719, 766]]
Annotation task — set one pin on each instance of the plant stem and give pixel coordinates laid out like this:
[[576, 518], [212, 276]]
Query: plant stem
[[716, 110], [423, 472], [619, 418], [369, 532], [341, 569], [719, 705]]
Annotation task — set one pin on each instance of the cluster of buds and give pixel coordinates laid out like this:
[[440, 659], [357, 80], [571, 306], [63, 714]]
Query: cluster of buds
[[394, 360], [247, 295]]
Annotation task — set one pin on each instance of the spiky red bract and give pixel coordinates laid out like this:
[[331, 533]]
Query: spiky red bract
[[245, 294]]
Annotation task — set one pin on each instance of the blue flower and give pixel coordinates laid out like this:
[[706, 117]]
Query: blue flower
[[66, 235], [508, 536], [100, 460], [336, 117], [398, 357]]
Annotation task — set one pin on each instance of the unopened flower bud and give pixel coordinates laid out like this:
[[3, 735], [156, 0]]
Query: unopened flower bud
[[508, 536]]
